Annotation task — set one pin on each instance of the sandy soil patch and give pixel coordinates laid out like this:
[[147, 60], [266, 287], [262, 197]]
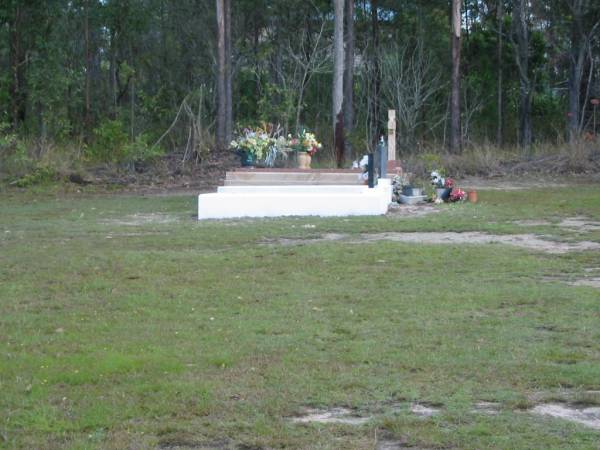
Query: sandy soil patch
[[590, 282], [398, 210], [527, 241], [334, 415], [424, 410], [487, 408], [580, 223], [577, 224], [589, 416], [142, 219], [532, 223]]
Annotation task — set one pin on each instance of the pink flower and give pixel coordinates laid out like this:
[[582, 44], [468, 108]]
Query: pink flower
[[457, 195]]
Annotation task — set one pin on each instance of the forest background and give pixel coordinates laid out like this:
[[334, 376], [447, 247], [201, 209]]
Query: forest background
[[127, 82]]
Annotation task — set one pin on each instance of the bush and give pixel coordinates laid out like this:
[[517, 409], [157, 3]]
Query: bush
[[39, 175], [14, 158], [112, 145], [140, 151], [109, 143]]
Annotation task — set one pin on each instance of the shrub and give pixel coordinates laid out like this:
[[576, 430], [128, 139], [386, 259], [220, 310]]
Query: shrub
[[140, 151], [109, 143], [14, 158], [112, 144], [39, 175]]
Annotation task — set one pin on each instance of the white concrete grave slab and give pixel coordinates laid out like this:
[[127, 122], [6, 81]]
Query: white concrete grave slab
[[296, 200]]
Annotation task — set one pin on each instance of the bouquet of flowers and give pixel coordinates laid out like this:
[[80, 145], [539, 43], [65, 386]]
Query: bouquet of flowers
[[255, 141], [398, 183], [457, 195], [304, 142], [439, 182]]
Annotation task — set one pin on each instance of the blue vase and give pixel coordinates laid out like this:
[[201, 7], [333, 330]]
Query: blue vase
[[247, 159], [443, 193]]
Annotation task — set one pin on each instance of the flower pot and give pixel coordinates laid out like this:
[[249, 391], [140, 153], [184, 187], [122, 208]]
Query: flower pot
[[472, 196], [304, 160], [247, 159], [410, 191], [443, 193]]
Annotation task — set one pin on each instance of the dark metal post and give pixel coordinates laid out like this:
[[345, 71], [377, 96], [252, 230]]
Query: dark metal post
[[383, 157], [371, 170]]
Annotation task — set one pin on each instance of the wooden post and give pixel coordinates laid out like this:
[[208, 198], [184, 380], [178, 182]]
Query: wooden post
[[391, 135]]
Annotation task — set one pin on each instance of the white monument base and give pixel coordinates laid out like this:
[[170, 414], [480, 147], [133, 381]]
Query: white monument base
[[308, 200]]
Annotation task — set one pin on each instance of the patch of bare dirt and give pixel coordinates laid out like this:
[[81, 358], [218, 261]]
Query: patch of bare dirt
[[398, 210], [532, 223], [577, 224], [167, 176], [292, 242], [580, 223], [142, 219], [425, 409], [486, 408], [588, 416], [387, 441], [527, 241], [590, 282], [590, 279], [333, 415]]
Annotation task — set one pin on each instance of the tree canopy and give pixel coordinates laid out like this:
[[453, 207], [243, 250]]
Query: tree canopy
[[83, 69]]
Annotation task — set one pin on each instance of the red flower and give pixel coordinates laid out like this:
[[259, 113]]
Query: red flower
[[457, 195], [449, 183]]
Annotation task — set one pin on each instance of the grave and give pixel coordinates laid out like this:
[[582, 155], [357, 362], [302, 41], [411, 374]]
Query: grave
[[251, 192], [294, 192]]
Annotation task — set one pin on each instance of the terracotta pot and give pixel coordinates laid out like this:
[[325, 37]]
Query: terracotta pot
[[472, 196], [304, 160]]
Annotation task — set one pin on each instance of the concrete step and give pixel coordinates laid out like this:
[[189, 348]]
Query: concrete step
[[287, 178], [275, 201]]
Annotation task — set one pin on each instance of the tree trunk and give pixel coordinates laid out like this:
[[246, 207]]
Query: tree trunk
[[455, 130], [88, 71], [17, 63], [500, 16], [338, 81], [228, 75], [576, 61], [525, 85], [375, 122], [221, 133], [113, 72], [349, 78]]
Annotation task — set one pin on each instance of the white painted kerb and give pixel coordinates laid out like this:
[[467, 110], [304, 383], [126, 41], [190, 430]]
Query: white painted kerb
[[310, 200]]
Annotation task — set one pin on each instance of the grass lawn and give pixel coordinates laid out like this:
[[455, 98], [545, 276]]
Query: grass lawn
[[125, 323]]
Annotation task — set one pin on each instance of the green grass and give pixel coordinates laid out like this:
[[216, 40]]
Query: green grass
[[197, 334]]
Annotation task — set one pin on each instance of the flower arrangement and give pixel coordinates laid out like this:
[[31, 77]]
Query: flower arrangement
[[457, 195], [304, 142], [399, 182], [263, 144], [438, 181], [255, 141], [446, 189]]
